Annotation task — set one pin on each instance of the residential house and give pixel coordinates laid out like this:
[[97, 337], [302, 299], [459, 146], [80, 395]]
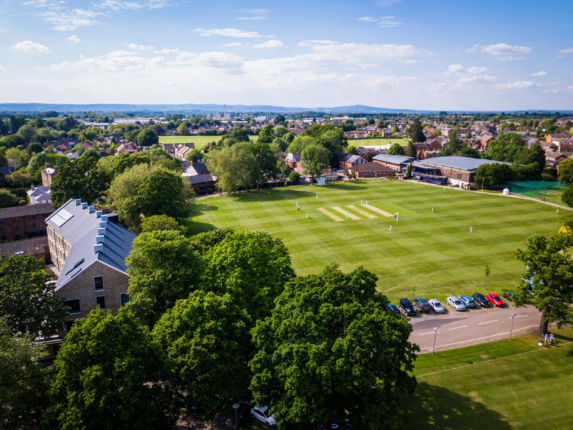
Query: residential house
[[371, 170], [348, 161], [39, 195], [293, 162], [200, 179], [37, 247], [126, 148], [398, 163], [182, 149], [88, 249], [20, 222]]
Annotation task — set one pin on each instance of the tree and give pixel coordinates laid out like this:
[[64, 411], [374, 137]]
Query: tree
[[493, 174], [147, 137], [565, 171], [453, 146], [411, 150], [549, 276], [416, 132], [409, 171], [396, 149], [335, 142], [205, 338], [252, 267], [265, 167], [234, 166], [160, 222], [314, 159], [506, 147], [27, 303], [24, 380], [27, 133], [266, 135], [110, 375], [294, 177], [330, 346], [194, 156], [7, 199], [183, 128], [164, 268], [537, 155], [567, 196], [81, 179], [352, 150]]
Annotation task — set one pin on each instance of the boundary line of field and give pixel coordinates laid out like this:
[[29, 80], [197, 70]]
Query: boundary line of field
[[346, 213], [330, 215], [361, 212], [375, 209]]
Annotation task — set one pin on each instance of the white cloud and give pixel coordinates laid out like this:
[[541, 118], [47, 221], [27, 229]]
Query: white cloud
[[70, 19], [255, 15], [516, 85], [233, 44], [383, 21], [119, 5], [137, 47], [501, 51], [539, 74], [228, 32], [324, 51], [74, 38], [30, 47], [467, 75], [564, 52], [273, 43], [2, 68], [385, 3]]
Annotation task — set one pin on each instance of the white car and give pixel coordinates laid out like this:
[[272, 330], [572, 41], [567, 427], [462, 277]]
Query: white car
[[456, 303], [260, 413], [436, 306]]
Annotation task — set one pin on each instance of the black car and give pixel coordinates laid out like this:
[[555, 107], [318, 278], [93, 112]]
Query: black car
[[407, 307], [481, 300], [393, 308], [421, 304]]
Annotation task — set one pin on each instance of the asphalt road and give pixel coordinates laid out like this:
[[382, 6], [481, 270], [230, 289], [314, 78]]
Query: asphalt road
[[459, 329]]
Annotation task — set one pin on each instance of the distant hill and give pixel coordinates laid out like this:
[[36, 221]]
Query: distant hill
[[185, 108]]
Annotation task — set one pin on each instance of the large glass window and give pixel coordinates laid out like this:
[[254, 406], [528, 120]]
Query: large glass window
[[73, 305], [100, 301], [98, 283], [124, 299]]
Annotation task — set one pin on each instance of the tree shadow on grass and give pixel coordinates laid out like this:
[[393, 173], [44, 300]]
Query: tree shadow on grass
[[436, 407], [198, 209], [271, 195], [354, 186], [194, 227]]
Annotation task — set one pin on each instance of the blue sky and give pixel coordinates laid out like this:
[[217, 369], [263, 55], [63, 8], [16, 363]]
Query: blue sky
[[486, 55]]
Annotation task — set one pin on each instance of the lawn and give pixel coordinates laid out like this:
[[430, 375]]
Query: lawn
[[377, 141], [431, 253], [199, 141], [500, 385]]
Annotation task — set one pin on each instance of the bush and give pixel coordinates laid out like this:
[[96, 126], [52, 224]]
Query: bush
[[567, 196], [294, 177]]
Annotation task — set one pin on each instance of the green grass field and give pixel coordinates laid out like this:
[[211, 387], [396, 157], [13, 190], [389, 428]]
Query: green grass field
[[377, 141], [199, 141], [432, 253], [500, 385]]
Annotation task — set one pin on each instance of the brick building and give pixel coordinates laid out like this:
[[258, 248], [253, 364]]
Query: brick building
[[398, 163], [37, 247], [88, 249], [458, 170], [21, 222]]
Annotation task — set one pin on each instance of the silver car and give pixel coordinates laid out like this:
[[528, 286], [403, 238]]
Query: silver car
[[261, 413], [456, 303], [436, 306]]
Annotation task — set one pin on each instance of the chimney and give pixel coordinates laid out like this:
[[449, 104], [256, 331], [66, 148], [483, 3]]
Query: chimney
[[84, 205], [100, 239], [103, 224], [98, 247], [91, 209], [98, 214], [101, 231], [78, 202]]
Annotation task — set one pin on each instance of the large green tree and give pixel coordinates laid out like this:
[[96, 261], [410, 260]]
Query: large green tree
[[331, 347], [27, 302], [252, 267], [453, 146], [314, 159], [147, 137], [206, 340], [164, 268], [549, 276], [233, 166], [508, 147], [566, 171], [493, 174], [110, 375], [265, 167], [411, 150], [567, 196], [416, 132], [7, 199], [396, 149]]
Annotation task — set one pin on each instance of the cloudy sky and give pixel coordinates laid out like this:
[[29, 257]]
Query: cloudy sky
[[483, 54]]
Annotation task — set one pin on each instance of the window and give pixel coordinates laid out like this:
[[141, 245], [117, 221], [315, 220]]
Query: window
[[69, 325], [98, 283], [33, 225], [100, 301], [73, 305], [124, 299], [1, 228], [16, 227]]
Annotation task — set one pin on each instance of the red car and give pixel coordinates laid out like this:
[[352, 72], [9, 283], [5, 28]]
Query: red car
[[495, 300]]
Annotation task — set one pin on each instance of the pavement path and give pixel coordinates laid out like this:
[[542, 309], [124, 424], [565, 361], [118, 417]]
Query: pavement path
[[459, 329]]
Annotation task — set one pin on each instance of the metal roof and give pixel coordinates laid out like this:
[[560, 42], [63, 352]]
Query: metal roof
[[93, 238], [462, 163], [16, 211], [394, 159]]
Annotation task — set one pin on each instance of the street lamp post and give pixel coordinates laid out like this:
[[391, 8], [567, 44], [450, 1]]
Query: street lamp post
[[435, 334], [236, 408], [511, 330]]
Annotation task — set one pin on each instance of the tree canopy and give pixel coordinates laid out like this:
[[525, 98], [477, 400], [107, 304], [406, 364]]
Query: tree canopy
[[566, 171], [147, 137], [396, 149], [416, 132], [330, 346], [492, 175], [314, 159], [233, 166]]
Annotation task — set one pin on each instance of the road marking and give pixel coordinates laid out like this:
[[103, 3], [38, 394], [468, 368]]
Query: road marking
[[455, 328], [425, 334], [487, 322]]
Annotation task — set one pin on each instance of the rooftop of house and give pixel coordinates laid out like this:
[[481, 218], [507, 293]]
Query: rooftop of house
[[34, 246], [461, 163], [39, 191], [351, 158], [197, 169], [93, 236], [17, 211], [292, 158], [394, 159]]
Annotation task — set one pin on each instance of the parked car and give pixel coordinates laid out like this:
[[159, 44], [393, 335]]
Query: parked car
[[456, 303], [481, 300], [495, 300], [407, 307], [261, 413], [393, 308], [437, 306], [421, 304], [510, 295], [468, 301]]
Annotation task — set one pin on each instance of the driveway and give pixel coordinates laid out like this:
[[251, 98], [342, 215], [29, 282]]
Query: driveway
[[459, 329]]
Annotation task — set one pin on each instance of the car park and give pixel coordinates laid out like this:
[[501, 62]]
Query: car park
[[510, 295], [407, 307], [468, 301], [421, 304], [456, 303], [495, 300], [481, 300], [437, 306], [393, 308], [261, 413]]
